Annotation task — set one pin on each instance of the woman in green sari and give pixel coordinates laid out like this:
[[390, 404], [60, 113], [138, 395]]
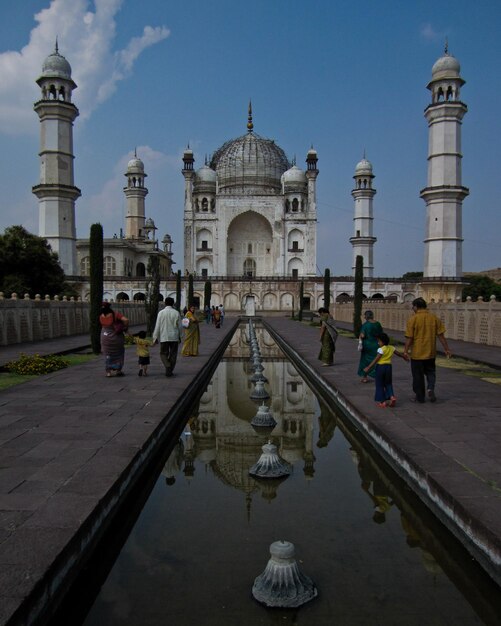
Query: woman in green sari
[[191, 334], [328, 336], [369, 333]]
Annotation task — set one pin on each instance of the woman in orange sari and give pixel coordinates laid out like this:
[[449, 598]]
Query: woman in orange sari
[[191, 334]]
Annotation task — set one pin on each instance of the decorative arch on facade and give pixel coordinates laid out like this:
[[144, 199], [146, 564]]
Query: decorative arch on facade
[[85, 266], [250, 238], [204, 267], [109, 266], [377, 296], [343, 297], [320, 299], [122, 297], [269, 301], [286, 301], [409, 297], [231, 302], [107, 296], [250, 294], [295, 240], [139, 297], [295, 267], [204, 239], [140, 270]]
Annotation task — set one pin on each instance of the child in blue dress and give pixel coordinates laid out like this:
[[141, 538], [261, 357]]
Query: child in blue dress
[[384, 395]]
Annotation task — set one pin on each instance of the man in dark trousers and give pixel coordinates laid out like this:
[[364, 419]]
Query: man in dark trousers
[[168, 333], [421, 334]]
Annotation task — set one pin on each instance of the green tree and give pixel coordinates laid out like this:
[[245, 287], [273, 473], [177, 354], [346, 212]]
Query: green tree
[[28, 265], [96, 284], [178, 290], [191, 292], [411, 275], [207, 293], [327, 288], [359, 292], [152, 294], [481, 285], [301, 298]]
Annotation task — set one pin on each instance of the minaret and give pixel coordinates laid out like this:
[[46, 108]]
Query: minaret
[[444, 193], [363, 240], [135, 192], [56, 192], [189, 175]]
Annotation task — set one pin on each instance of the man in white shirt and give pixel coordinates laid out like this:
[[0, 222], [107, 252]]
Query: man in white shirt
[[221, 309], [168, 333]]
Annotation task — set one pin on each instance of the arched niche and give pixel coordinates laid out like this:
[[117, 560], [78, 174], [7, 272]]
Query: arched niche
[[250, 238]]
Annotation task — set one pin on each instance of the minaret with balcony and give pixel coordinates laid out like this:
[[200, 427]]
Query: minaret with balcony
[[444, 192], [189, 175], [363, 239], [135, 193], [56, 191]]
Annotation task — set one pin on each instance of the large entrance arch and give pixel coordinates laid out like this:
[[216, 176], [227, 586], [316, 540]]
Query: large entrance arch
[[249, 244]]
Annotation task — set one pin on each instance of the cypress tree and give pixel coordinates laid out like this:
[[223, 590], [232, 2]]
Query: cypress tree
[[359, 291], [327, 288], [301, 297], [152, 294], [96, 284], [207, 293], [178, 290], [190, 290]]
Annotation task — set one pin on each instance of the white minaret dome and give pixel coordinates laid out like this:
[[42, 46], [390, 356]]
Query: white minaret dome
[[206, 175], [294, 175], [446, 66], [55, 65], [149, 223], [135, 165], [363, 168]]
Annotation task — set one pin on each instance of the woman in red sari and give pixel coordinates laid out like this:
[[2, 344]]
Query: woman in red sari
[[113, 326]]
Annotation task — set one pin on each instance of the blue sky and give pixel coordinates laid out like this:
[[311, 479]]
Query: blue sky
[[340, 76]]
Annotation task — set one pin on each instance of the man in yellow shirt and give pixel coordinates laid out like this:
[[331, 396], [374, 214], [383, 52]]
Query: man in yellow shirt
[[421, 334]]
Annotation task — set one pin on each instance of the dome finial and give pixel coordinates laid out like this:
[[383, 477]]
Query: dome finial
[[446, 49], [250, 125], [56, 48], [364, 153], [135, 152]]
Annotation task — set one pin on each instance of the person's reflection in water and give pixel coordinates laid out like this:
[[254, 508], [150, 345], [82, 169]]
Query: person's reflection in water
[[326, 426], [372, 484], [173, 463]]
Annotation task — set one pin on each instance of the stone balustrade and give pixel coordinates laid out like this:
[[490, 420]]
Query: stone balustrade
[[24, 319], [478, 322]]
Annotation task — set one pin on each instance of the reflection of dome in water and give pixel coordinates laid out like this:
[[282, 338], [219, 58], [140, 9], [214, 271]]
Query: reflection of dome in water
[[249, 160]]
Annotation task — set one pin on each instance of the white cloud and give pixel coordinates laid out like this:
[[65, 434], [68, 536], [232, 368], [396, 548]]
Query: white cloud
[[429, 33], [86, 39]]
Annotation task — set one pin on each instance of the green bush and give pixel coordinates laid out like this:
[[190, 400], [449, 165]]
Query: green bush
[[35, 365]]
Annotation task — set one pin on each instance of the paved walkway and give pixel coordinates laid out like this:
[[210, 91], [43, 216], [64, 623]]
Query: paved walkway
[[73, 443], [450, 451]]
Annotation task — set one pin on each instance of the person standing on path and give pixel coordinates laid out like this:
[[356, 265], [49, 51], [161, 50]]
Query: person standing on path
[[191, 334], [328, 336], [384, 396], [368, 345], [421, 334], [168, 333], [221, 310], [113, 326]]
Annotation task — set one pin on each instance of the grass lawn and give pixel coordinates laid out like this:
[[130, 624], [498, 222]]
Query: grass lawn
[[8, 379]]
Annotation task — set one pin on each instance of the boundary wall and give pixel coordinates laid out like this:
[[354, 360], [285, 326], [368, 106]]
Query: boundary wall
[[35, 320], [478, 322]]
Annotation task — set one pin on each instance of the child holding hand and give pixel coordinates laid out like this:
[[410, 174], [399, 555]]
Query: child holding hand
[[384, 395], [143, 352]]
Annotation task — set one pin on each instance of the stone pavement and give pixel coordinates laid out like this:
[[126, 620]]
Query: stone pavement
[[74, 443], [449, 451]]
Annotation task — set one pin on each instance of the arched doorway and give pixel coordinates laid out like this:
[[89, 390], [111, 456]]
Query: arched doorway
[[250, 238]]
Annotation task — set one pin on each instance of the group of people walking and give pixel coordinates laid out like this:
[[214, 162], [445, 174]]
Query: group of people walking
[[376, 353], [167, 333], [214, 315]]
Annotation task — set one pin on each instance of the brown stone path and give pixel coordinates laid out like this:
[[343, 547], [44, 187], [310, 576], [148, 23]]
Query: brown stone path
[[449, 451], [72, 445]]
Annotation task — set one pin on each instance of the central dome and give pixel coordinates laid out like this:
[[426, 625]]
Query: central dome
[[250, 161]]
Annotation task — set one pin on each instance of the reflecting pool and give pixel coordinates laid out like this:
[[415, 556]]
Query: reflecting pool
[[374, 553]]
